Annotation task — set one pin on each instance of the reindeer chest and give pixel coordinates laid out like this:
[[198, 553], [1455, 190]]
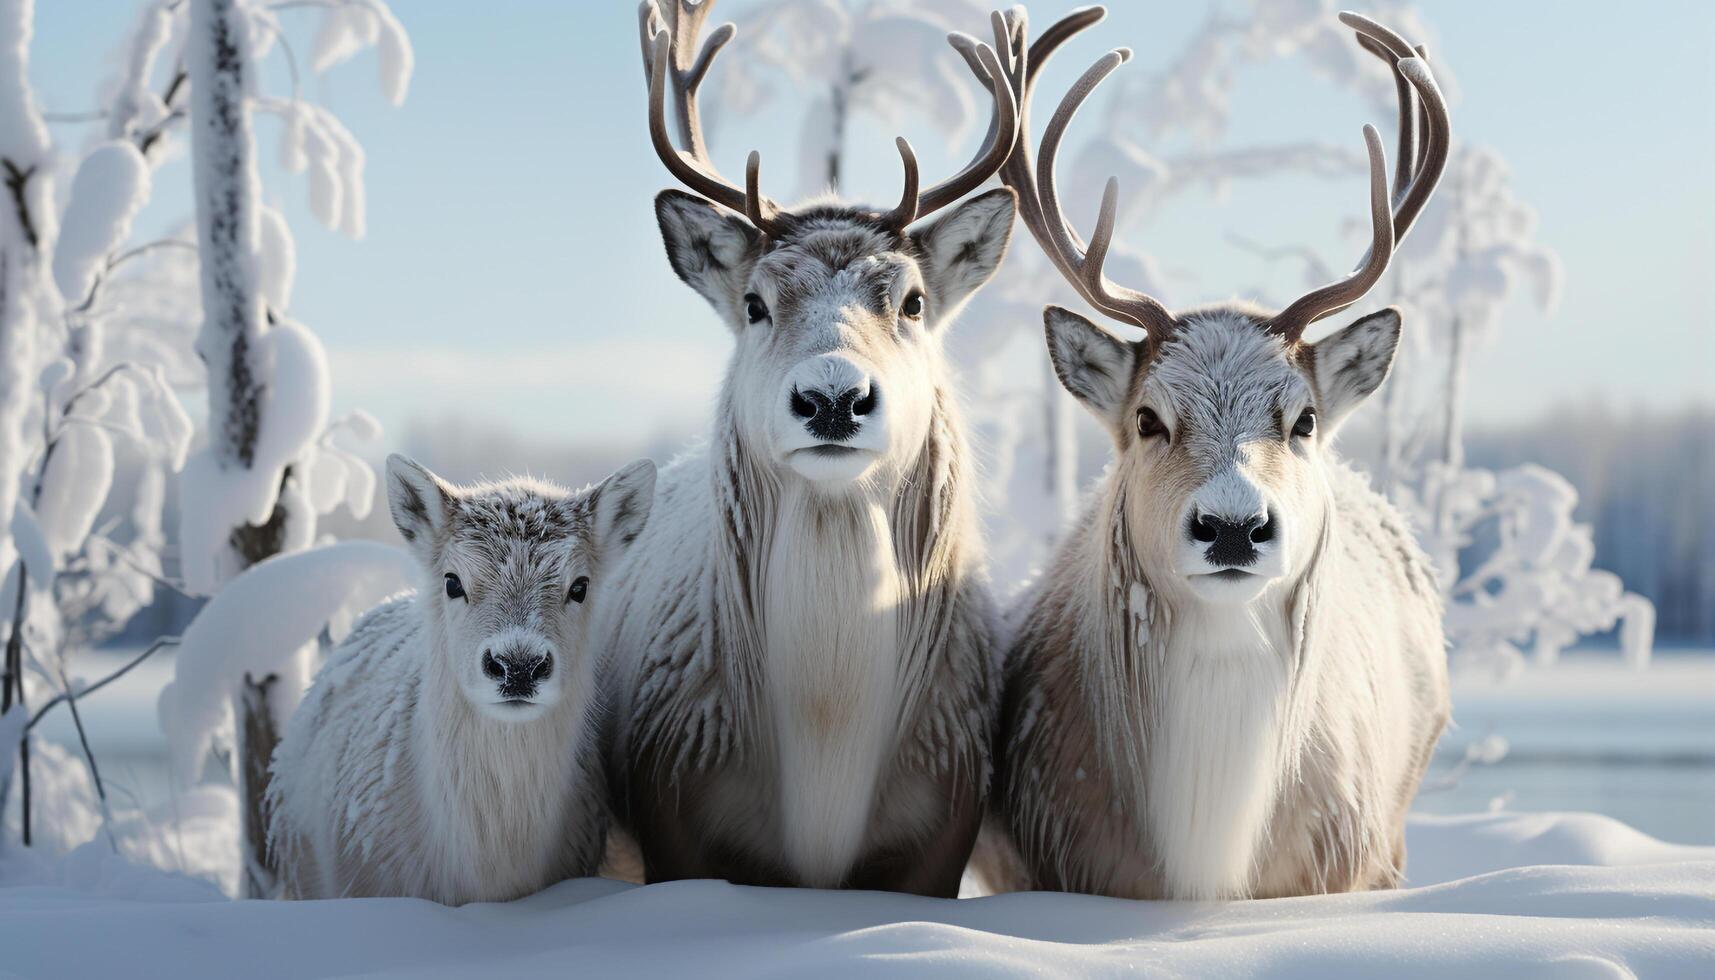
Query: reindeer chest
[[831, 673], [831, 611]]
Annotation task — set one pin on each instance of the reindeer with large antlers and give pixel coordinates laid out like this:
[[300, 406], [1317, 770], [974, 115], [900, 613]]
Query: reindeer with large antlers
[[810, 675], [1232, 676]]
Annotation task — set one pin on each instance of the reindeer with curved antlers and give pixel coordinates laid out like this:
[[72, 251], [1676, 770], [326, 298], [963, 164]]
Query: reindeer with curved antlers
[[1231, 678], [810, 676]]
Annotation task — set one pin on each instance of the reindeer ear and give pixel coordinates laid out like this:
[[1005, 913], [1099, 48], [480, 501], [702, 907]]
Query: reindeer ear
[[961, 250], [1092, 364], [622, 505], [421, 503], [1353, 363], [710, 249]]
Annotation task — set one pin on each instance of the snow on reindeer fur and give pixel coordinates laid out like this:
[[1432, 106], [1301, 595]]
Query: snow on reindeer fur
[[448, 750]]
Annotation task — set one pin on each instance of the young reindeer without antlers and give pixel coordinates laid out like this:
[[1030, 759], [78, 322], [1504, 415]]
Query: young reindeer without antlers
[[810, 675], [1232, 676]]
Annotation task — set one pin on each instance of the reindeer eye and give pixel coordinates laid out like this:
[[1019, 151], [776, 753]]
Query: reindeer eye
[[755, 308], [580, 585], [455, 588], [912, 308], [1305, 425], [1149, 424]]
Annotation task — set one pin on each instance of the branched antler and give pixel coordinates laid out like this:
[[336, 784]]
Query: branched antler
[[1419, 168], [1416, 173], [668, 44]]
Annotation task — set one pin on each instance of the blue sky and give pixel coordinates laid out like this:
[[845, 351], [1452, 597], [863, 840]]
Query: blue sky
[[512, 273]]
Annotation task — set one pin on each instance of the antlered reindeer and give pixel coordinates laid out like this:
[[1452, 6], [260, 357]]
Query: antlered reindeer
[[449, 749], [805, 637], [1231, 677]]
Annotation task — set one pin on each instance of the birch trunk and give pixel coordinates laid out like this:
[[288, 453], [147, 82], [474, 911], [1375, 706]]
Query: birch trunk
[[25, 223], [228, 191]]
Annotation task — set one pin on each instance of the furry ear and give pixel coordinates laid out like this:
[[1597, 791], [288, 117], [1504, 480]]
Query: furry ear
[[962, 249], [1092, 364], [421, 503], [622, 505], [1353, 363], [711, 250]]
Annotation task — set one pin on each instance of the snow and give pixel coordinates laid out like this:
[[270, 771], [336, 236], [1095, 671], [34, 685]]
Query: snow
[[134, 108], [258, 623], [1597, 899], [74, 486], [348, 28], [23, 143], [111, 186], [214, 498]]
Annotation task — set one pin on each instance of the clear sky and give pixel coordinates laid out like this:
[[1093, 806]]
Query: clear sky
[[512, 273]]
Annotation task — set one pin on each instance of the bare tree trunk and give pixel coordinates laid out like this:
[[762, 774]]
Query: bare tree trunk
[[228, 239], [257, 735]]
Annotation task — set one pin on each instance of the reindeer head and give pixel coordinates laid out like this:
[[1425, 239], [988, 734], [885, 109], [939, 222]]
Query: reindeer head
[[837, 311], [512, 569], [1220, 417]]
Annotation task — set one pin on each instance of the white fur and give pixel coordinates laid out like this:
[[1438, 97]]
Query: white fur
[[400, 774], [805, 674], [1258, 733], [834, 675], [1220, 697]]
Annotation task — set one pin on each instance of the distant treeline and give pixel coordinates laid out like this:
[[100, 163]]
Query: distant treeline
[[1647, 483]]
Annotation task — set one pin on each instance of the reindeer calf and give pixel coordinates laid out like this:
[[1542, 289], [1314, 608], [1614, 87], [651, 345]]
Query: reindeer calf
[[448, 749]]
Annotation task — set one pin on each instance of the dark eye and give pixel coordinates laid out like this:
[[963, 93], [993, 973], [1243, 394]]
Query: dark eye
[[455, 588], [1149, 424], [580, 585], [755, 308], [912, 308], [1305, 425]]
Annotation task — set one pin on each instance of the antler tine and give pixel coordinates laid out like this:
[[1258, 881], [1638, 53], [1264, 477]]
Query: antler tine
[[1429, 159], [996, 146], [669, 48], [1422, 119], [1432, 154], [1084, 267], [1307, 309], [1057, 34], [685, 166], [757, 208], [909, 201], [1408, 149], [1436, 143], [1026, 60]]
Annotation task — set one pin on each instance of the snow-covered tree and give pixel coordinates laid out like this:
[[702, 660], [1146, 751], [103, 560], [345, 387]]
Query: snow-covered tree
[[23, 158], [257, 486], [887, 58], [78, 405], [1514, 564], [95, 334]]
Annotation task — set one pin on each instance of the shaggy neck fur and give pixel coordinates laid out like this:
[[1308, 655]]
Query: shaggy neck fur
[[1198, 702], [836, 606], [494, 793]]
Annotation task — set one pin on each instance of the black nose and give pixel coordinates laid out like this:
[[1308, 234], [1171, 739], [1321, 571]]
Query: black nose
[[518, 672], [835, 418], [1232, 544]]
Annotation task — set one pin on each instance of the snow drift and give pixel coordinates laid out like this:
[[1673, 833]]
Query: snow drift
[[1606, 902]]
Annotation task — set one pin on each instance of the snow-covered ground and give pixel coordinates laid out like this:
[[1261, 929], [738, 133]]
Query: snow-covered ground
[[1512, 896], [1511, 893]]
